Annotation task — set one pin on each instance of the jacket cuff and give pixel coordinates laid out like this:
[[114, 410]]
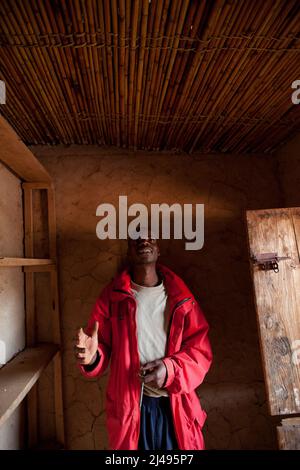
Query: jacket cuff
[[170, 371], [93, 372], [91, 367]]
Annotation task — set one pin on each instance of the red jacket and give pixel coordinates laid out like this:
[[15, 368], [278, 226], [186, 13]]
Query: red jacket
[[188, 359]]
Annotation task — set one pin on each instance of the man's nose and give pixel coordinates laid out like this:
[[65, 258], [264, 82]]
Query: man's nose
[[143, 242]]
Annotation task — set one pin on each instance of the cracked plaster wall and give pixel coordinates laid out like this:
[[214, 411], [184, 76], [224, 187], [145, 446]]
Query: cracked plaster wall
[[85, 176]]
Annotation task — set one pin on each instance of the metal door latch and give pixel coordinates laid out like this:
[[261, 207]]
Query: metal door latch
[[268, 261]]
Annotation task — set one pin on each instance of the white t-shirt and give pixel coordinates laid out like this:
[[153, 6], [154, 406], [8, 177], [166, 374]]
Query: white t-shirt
[[151, 327]]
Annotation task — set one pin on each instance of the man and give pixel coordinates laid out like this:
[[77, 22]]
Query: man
[[148, 324]]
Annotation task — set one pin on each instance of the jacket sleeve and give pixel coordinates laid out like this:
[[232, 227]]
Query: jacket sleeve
[[187, 368], [100, 313]]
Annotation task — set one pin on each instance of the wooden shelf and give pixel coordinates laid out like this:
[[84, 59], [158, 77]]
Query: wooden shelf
[[10, 262], [19, 375], [18, 157], [289, 434], [18, 378], [291, 421]]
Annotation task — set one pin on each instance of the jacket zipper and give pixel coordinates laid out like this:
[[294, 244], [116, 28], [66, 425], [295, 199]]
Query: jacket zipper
[[181, 302], [173, 311]]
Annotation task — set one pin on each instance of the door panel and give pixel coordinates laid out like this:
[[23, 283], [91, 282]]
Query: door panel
[[277, 297]]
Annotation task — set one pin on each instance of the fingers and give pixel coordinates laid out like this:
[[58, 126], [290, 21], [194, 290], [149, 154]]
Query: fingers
[[82, 361], [80, 337], [154, 373], [81, 349], [149, 365], [79, 332], [79, 352], [95, 329], [150, 378], [80, 355]]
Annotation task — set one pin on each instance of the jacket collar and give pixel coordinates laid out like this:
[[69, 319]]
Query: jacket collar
[[176, 288]]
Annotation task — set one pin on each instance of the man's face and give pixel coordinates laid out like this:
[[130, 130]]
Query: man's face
[[143, 250]]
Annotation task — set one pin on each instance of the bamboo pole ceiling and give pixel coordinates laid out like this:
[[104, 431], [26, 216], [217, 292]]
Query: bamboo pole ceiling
[[208, 76]]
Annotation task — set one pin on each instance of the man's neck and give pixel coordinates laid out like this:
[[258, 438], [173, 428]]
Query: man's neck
[[145, 275]]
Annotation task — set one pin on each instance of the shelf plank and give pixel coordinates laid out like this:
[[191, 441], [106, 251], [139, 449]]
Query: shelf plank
[[10, 262], [19, 375], [18, 157], [291, 421], [37, 185], [289, 434], [46, 268], [32, 397]]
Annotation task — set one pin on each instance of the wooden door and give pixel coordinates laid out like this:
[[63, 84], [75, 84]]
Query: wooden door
[[277, 296], [289, 434]]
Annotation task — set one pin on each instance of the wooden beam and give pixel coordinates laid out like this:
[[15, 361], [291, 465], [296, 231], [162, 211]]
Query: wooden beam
[[37, 185], [19, 375], [32, 398], [289, 434], [58, 395], [291, 421], [32, 416], [17, 157], [29, 279], [52, 223], [7, 262], [55, 307], [43, 268], [58, 399]]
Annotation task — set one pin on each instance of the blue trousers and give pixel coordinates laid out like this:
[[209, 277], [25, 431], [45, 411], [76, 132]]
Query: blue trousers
[[157, 429]]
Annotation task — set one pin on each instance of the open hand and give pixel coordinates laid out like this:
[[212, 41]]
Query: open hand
[[86, 346]]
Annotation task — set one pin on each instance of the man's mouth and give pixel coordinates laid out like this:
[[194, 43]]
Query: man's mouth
[[142, 251]]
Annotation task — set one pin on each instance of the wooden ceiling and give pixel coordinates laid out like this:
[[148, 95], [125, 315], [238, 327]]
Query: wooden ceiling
[[195, 76]]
